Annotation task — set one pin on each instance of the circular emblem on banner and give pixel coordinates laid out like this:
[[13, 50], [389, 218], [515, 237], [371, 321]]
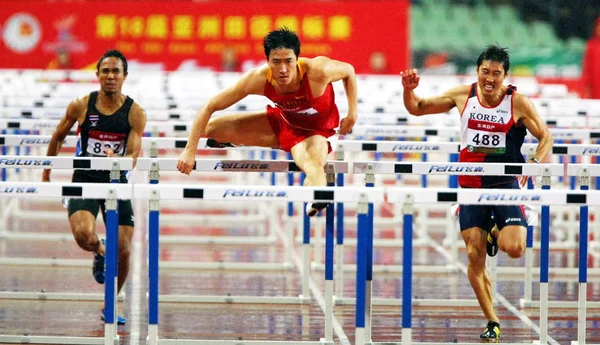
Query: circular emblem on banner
[[22, 32]]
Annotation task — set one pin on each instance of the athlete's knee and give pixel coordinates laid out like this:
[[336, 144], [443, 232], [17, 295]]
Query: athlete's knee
[[219, 129], [125, 237], [514, 249], [85, 238], [124, 249], [476, 255]]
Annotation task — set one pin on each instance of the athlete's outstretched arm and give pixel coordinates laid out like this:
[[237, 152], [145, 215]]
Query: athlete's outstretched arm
[[333, 71], [137, 121], [422, 106], [526, 113], [252, 82], [74, 109]]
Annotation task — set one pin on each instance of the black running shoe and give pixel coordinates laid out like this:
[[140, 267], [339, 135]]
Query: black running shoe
[[491, 244], [98, 267], [216, 144], [491, 332], [313, 208]]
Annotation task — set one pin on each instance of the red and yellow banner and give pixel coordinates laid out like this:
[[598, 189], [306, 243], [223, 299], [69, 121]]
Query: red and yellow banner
[[173, 35]]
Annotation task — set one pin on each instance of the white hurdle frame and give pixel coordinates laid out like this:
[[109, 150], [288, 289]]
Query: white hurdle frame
[[155, 165], [156, 192], [110, 192], [411, 196], [112, 164], [370, 168]]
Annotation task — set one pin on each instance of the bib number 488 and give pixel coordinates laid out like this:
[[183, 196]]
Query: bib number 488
[[486, 139]]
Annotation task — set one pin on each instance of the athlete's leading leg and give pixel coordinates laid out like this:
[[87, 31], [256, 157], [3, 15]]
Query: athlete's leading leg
[[251, 129]]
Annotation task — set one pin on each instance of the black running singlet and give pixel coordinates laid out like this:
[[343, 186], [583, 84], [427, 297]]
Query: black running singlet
[[100, 132]]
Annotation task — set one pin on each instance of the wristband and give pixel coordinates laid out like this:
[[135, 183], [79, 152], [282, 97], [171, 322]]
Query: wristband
[[537, 161]]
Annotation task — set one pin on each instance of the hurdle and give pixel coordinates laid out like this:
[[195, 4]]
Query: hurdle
[[155, 165], [110, 192], [412, 196], [157, 192], [114, 165], [481, 169], [583, 173]]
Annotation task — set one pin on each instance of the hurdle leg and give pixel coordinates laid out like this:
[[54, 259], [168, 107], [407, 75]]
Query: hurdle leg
[[339, 251], [370, 182], [153, 266], [526, 301], [584, 183], [329, 244], [289, 223], [110, 287], [407, 254], [544, 257], [306, 250], [361, 270]]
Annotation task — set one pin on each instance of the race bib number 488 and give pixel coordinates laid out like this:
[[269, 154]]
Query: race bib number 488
[[486, 142]]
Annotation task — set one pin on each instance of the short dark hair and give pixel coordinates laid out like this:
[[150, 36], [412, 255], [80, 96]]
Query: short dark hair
[[495, 53], [113, 53], [281, 38]]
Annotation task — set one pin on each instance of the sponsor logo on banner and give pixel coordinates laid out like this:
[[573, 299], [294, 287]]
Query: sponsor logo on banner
[[256, 193], [453, 168], [241, 165], [18, 190], [22, 32], [24, 162], [508, 197], [415, 147]]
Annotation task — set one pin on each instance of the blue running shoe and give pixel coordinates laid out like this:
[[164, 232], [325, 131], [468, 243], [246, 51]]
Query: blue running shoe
[[120, 320], [98, 266]]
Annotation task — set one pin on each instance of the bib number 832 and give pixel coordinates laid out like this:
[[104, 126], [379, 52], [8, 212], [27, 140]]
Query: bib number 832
[[99, 148]]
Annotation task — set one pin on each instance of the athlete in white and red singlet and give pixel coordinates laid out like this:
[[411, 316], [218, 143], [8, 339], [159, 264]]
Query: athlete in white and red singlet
[[303, 117], [494, 121]]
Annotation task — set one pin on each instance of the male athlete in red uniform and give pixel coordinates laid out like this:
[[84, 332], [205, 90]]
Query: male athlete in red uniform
[[494, 121], [304, 114]]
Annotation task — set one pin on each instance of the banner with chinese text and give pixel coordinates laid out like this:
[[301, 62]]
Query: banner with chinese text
[[188, 35]]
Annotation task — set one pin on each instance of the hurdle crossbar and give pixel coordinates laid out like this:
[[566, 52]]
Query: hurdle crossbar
[[444, 168], [226, 165], [54, 162], [342, 145]]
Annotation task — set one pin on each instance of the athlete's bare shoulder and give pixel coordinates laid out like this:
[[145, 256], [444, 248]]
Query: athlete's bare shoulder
[[458, 93], [137, 117], [316, 64], [253, 81], [77, 108]]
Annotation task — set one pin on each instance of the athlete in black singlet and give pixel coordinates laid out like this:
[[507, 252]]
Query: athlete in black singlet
[[110, 124]]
